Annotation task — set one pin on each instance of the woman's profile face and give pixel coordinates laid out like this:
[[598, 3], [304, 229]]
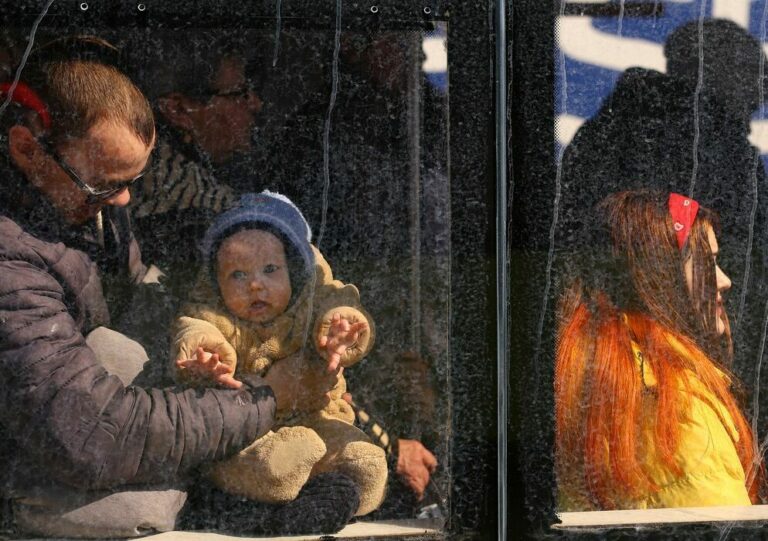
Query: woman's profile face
[[723, 283]]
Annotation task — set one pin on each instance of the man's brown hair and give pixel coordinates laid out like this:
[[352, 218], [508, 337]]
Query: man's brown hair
[[81, 84]]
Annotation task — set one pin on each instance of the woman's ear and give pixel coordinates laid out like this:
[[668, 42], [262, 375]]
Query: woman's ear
[[175, 111]]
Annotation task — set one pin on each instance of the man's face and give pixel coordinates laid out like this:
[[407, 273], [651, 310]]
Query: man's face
[[108, 155], [222, 122]]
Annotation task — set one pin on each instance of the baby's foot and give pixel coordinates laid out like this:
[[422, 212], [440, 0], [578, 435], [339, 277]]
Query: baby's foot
[[273, 468]]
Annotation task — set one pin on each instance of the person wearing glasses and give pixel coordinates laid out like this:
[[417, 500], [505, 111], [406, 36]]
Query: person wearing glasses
[[202, 122], [205, 157], [83, 453]]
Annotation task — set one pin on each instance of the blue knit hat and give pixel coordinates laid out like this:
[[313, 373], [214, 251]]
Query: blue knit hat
[[266, 208]]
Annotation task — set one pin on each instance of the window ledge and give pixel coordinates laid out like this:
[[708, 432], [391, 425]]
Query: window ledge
[[649, 517], [422, 529]]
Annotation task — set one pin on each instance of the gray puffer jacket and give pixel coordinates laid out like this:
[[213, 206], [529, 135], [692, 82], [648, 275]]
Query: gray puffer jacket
[[62, 416]]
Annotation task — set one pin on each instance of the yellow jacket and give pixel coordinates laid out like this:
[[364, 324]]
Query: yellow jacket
[[712, 472], [252, 348]]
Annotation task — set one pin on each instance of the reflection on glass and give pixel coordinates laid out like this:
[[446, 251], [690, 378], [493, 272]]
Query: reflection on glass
[[668, 96], [237, 114]]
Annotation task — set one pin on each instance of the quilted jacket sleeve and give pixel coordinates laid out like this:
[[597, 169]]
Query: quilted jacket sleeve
[[80, 423]]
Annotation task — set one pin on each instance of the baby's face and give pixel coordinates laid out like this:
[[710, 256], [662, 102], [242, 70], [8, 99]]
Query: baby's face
[[252, 272]]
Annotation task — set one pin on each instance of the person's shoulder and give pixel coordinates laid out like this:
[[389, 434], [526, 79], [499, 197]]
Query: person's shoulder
[[18, 244], [9, 228], [323, 271], [13, 238], [640, 88], [639, 75], [639, 94]]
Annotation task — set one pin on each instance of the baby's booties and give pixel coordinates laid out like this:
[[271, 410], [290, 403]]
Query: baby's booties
[[349, 451], [273, 468]]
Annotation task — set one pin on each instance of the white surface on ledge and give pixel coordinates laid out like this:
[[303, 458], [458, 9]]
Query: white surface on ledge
[[397, 529], [632, 517], [359, 530]]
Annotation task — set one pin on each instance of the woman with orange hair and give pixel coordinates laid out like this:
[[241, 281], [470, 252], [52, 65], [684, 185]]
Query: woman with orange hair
[[645, 412]]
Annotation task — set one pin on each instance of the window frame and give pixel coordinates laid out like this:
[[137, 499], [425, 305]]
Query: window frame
[[473, 320]]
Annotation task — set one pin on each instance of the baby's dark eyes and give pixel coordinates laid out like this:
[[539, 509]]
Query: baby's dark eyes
[[242, 275]]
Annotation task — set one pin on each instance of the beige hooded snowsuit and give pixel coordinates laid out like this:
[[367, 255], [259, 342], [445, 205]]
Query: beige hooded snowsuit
[[275, 467]]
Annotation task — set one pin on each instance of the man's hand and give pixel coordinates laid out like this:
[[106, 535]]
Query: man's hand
[[415, 465], [341, 335], [208, 368], [301, 385]]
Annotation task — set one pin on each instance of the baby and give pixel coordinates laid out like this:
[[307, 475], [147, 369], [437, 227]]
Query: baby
[[263, 293]]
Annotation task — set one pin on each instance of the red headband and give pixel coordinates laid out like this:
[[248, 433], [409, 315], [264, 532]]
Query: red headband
[[683, 211], [26, 97]]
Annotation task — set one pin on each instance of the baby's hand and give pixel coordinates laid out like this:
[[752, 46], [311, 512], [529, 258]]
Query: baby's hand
[[207, 367], [341, 335]]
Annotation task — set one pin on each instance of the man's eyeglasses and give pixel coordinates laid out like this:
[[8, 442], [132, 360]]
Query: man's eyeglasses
[[239, 93], [243, 93], [94, 195]]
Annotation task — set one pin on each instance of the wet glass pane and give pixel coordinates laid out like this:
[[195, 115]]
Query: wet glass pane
[[658, 246], [347, 121]]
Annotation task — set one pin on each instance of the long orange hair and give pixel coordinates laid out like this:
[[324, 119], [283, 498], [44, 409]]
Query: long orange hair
[[628, 285]]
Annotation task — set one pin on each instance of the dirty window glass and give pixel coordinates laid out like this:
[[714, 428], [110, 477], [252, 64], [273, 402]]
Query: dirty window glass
[[349, 122], [658, 306]]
